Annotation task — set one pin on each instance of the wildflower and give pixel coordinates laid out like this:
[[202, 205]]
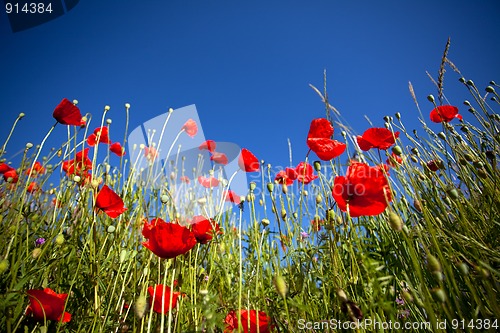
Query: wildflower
[[364, 191], [304, 234], [208, 182], [305, 173], [208, 145], [380, 138], [248, 162], [160, 298], [47, 304], [204, 229], [150, 153], [117, 149], [100, 135], [167, 240], [12, 175], [219, 158], [185, 179], [4, 167], [444, 113], [79, 165], [286, 177], [435, 165], [36, 170], [68, 113], [32, 187], [394, 160], [190, 127], [319, 140], [252, 321], [39, 241], [109, 202], [233, 197]]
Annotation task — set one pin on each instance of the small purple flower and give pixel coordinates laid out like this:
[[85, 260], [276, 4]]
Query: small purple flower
[[403, 314], [304, 234], [400, 301], [39, 241]]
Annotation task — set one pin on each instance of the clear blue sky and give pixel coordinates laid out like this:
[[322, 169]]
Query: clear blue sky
[[246, 65]]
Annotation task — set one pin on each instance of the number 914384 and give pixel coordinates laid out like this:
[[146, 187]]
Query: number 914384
[[28, 8]]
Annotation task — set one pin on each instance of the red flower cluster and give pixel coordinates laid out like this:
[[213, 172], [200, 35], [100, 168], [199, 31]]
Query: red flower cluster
[[167, 240], [208, 145], [394, 160], [36, 170], [160, 298], [68, 113], [101, 135], [217, 157], [204, 229], [80, 165], [109, 202], [252, 321], [444, 113], [47, 304], [190, 127], [303, 173], [380, 138], [208, 182], [9, 172], [319, 140], [286, 176], [364, 190]]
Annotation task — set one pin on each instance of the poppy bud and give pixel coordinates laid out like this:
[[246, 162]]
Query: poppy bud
[[36, 252], [387, 119], [265, 222], [317, 166], [295, 215], [342, 295], [398, 115], [77, 179], [270, 187], [407, 296], [478, 164], [252, 186], [462, 161], [164, 198], [284, 189], [111, 229], [452, 193], [395, 221], [108, 121], [29, 145], [319, 199], [330, 216], [283, 213], [250, 197], [21, 115], [439, 295], [4, 265], [430, 98], [464, 269], [442, 136], [123, 255], [60, 239], [107, 108], [417, 205], [470, 83], [397, 150], [490, 89], [127, 105], [462, 80], [481, 172], [414, 159], [280, 284], [305, 193], [414, 151], [140, 306], [433, 264], [261, 202]]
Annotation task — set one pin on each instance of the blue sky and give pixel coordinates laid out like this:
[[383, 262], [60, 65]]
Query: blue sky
[[246, 65]]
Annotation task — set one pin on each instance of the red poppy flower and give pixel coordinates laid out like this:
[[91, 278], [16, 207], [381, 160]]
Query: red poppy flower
[[251, 321], [445, 113], [32, 187], [204, 229], [376, 137], [47, 304], [248, 162], [233, 197], [80, 165], [219, 158], [100, 135], [305, 173], [160, 298], [36, 170], [319, 140], [12, 174], [208, 145], [394, 160], [364, 190], [185, 179], [68, 113], [190, 127], [150, 153], [167, 240], [208, 182], [117, 149], [109, 202], [286, 176], [435, 165], [4, 167]]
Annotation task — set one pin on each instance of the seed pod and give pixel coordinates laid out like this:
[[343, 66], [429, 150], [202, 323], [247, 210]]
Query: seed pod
[[397, 150], [319, 199], [36, 252], [417, 205], [4, 265], [111, 229], [123, 255], [60, 239], [439, 295], [464, 269], [283, 213], [252, 186], [452, 193], [140, 306], [270, 187], [433, 264], [317, 166], [284, 189], [265, 222], [342, 295]]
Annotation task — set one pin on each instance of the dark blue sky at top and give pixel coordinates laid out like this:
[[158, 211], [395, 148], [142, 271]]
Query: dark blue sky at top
[[246, 65]]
